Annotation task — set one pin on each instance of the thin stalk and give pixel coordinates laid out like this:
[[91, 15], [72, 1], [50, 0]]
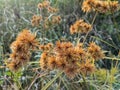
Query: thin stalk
[[92, 25], [105, 42], [112, 58], [84, 80], [78, 38], [19, 85], [34, 79], [51, 81], [65, 83], [80, 2], [113, 18]]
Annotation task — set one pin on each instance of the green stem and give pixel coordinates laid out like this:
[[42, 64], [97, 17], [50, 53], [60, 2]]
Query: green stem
[[51, 81], [78, 38], [113, 18], [112, 58], [105, 42], [84, 80], [20, 87], [92, 25]]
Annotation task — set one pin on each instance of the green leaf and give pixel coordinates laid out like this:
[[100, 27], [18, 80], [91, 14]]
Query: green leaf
[[51, 81]]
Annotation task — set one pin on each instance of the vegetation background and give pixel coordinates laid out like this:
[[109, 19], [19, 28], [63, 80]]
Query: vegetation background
[[15, 15]]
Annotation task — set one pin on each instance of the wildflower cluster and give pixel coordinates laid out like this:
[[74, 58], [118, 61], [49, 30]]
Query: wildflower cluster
[[46, 5], [100, 6], [72, 59], [36, 20], [21, 50], [80, 27], [48, 17]]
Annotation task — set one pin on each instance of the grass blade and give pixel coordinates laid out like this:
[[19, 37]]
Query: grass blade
[[51, 81]]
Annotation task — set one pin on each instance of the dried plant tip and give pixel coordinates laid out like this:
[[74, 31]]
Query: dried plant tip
[[100, 6], [71, 72], [87, 68], [36, 20], [95, 51], [80, 27]]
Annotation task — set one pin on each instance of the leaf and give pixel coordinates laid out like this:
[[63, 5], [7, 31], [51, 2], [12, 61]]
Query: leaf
[[51, 81]]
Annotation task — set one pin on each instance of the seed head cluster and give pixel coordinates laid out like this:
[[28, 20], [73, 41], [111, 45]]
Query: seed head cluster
[[80, 27], [48, 16], [36, 20], [21, 47], [95, 51], [46, 5], [55, 20], [71, 59], [100, 6], [46, 47]]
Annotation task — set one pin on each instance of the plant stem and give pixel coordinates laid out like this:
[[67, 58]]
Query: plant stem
[[51, 81], [92, 25], [112, 58], [85, 86]]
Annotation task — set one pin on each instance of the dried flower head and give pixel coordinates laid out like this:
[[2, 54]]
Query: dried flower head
[[20, 55], [100, 6], [40, 5], [63, 45], [14, 65], [45, 3], [62, 63], [28, 38], [52, 9], [56, 19], [95, 51], [86, 6], [46, 47], [80, 27], [71, 71], [114, 6], [19, 47], [44, 61], [36, 20], [52, 63], [87, 67], [71, 59]]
